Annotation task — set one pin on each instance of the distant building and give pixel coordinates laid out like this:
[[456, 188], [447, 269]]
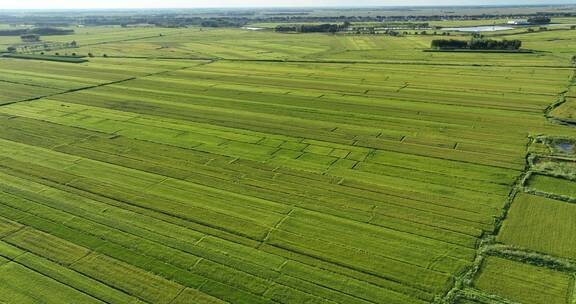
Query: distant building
[[518, 22]]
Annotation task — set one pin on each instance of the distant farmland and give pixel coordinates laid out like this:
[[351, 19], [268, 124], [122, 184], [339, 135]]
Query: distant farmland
[[236, 166]]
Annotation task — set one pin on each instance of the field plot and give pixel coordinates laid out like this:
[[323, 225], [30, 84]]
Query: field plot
[[21, 80], [524, 283], [541, 224], [566, 111], [199, 43], [22, 285], [234, 181], [552, 185], [240, 44]]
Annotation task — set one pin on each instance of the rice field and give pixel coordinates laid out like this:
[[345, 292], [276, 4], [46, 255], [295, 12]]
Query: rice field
[[524, 283], [566, 111], [541, 224], [553, 185], [190, 168]]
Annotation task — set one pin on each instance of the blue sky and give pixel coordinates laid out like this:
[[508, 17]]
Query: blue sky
[[67, 4]]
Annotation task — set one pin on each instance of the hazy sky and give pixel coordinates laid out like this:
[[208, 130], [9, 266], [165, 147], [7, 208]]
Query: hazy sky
[[68, 4]]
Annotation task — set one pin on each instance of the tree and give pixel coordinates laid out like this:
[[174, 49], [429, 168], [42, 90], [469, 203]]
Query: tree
[[11, 49], [489, 44], [30, 38], [477, 44], [49, 31], [449, 44], [539, 20], [285, 29], [311, 28]]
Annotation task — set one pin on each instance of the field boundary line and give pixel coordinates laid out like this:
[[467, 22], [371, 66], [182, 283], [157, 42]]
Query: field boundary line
[[67, 91], [572, 296], [29, 84], [275, 227], [13, 232], [531, 257], [338, 61], [26, 252], [484, 297], [94, 86], [178, 294], [554, 196]]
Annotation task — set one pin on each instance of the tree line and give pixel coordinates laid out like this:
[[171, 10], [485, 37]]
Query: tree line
[[45, 31], [41, 47], [179, 18], [312, 28], [477, 44], [539, 20]]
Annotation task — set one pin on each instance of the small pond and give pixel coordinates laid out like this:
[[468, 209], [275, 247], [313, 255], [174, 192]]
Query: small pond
[[252, 28], [496, 28], [486, 28], [566, 147]]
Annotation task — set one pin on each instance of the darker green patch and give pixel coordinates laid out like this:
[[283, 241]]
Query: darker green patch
[[478, 51], [66, 59]]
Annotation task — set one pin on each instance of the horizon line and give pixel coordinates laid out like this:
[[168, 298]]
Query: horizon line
[[291, 7]]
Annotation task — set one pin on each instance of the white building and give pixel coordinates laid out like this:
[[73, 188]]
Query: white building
[[518, 22]]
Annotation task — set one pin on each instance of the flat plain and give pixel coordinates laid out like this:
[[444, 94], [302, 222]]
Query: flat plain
[[232, 166]]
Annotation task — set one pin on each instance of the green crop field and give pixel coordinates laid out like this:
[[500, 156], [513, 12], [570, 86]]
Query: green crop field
[[524, 283], [553, 185], [541, 224], [566, 111], [224, 165]]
